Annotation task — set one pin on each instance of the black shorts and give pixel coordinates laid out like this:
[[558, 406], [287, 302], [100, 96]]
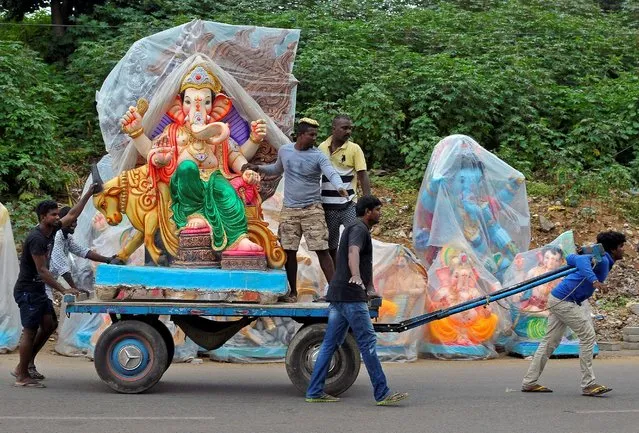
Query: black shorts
[[33, 307], [335, 218]]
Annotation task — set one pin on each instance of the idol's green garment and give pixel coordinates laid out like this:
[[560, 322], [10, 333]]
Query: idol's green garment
[[214, 199]]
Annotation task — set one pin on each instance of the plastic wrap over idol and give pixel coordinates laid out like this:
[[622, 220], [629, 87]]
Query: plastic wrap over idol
[[529, 310], [471, 220], [471, 197]]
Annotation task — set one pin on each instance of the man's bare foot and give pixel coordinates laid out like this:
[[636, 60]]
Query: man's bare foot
[[196, 223]]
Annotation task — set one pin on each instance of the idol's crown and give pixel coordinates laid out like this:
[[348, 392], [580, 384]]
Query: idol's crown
[[201, 78]]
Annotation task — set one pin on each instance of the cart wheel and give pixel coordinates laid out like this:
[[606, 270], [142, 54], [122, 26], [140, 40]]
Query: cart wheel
[[130, 356], [302, 353], [168, 340]]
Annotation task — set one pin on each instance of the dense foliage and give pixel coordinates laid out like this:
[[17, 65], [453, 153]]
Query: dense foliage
[[550, 86]]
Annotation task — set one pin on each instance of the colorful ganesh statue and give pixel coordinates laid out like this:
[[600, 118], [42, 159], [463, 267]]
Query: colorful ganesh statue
[[471, 220], [192, 190], [454, 278], [181, 114]]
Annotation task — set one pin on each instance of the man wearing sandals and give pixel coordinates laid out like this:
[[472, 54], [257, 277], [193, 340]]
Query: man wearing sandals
[[36, 309], [348, 294], [303, 164], [566, 312]]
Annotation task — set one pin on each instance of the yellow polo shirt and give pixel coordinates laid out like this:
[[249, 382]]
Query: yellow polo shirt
[[347, 160]]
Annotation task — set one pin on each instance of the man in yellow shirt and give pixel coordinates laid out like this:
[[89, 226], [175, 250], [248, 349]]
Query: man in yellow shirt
[[349, 162]]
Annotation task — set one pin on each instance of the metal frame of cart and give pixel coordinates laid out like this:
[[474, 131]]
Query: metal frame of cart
[[133, 353]]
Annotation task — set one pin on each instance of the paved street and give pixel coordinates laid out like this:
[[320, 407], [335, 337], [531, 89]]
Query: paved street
[[214, 397]]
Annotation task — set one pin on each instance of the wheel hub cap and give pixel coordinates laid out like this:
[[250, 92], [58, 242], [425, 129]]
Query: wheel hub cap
[[130, 357], [311, 358]]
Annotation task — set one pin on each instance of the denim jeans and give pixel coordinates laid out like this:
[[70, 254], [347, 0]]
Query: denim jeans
[[342, 315]]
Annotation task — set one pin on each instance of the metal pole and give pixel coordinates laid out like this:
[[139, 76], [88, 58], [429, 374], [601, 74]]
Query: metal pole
[[468, 305]]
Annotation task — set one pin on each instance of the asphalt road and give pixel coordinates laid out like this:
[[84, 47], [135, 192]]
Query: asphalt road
[[211, 397]]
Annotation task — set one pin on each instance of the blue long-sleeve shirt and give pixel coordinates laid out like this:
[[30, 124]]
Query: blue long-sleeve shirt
[[577, 287], [302, 170]]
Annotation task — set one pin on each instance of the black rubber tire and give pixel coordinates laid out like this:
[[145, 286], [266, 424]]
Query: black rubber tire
[[347, 360], [154, 363], [168, 339]]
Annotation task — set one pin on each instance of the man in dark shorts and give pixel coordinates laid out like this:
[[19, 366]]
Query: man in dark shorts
[[36, 309], [348, 160], [348, 293]]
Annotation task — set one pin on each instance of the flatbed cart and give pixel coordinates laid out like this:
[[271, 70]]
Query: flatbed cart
[[133, 353]]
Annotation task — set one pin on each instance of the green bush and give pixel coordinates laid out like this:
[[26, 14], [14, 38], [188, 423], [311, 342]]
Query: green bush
[[31, 156], [550, 86]]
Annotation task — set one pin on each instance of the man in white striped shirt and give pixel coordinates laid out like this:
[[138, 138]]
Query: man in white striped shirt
[[348, 160], [64, 244]]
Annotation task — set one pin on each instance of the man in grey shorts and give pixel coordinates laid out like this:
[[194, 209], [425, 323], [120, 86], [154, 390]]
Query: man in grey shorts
[[302, 214]]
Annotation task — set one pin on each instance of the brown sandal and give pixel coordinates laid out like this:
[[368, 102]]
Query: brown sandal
[[288, 299], [595, 390], [535, 388]]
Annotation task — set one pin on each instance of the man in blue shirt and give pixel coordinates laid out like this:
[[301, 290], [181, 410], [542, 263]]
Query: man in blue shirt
[[566, 312]]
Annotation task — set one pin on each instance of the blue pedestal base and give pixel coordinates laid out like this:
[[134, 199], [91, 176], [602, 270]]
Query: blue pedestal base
[[565, 349], [201, 284]]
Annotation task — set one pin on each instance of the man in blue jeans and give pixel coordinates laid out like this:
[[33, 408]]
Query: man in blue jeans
[[348, 294]]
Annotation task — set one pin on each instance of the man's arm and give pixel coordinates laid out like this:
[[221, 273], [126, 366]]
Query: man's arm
[[583, 263], [76, 210], [359, 163], [86, 253], [353, 265], [92, 255], [331, 174], [47, 276], [274, 169], [364, 181], [67, 277]]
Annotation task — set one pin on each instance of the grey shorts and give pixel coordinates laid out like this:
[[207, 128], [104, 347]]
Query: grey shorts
[[308, 221], [335, 218]]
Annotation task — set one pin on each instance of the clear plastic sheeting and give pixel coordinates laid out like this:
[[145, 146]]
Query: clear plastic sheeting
[[253, 64], [402, 283], [457, 276], [264, 340], [470, 222], [529, 310], [10, 327], [78, 334]]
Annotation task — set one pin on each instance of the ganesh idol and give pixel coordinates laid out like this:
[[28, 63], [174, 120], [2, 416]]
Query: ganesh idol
[[194, 166]]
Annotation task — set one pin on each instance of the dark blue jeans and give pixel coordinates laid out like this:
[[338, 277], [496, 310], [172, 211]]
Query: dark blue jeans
[[341, 316]]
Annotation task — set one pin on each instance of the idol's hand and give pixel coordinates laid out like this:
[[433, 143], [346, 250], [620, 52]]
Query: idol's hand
[[162, 153], [258, 130], [131, 122]]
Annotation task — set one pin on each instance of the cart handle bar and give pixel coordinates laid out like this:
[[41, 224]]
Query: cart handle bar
[[596, 251]]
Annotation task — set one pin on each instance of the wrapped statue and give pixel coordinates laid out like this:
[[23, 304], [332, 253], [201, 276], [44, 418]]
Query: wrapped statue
[[10, 327], [529, 310], [456, 277], [402, 283], [471, 220]]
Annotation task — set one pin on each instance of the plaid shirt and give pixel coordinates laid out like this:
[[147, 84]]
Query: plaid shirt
[[60, 262]]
